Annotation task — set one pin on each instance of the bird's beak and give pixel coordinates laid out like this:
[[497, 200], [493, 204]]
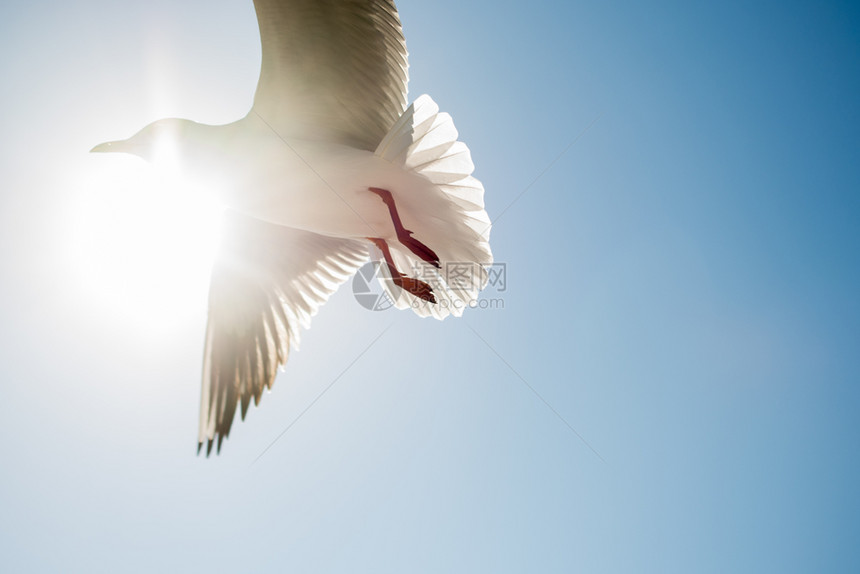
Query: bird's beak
[[120, 146]]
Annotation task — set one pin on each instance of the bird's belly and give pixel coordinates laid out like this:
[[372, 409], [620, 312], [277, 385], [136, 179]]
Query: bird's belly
[[321, 190]]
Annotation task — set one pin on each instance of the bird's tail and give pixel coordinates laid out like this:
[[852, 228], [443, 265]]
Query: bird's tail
[[445, 212]]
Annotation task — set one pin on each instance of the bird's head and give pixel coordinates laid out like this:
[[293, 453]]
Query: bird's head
[[160, 139]]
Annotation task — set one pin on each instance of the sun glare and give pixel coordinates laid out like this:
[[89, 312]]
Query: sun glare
[[144, 238]]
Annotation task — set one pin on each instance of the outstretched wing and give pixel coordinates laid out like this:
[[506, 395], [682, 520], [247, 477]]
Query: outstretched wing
[[332, 69], [268, 281]]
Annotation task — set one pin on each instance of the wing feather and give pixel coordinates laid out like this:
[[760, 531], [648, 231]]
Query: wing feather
[[331, 69], [266, 281]]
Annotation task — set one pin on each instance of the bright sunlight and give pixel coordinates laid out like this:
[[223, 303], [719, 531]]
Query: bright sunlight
[[144, 238]]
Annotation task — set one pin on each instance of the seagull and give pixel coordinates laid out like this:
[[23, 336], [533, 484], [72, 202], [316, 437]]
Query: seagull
[[329, 169]]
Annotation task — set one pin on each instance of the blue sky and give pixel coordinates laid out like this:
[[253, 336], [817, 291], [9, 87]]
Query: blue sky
[[675, 194]]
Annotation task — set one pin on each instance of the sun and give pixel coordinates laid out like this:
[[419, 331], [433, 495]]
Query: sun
[[143, 239]]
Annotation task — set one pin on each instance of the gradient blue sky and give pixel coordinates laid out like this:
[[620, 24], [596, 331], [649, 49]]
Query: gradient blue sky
[[682, 290]]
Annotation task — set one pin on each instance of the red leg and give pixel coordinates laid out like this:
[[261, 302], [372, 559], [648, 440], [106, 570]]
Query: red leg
[[403, 234], [418, 288]]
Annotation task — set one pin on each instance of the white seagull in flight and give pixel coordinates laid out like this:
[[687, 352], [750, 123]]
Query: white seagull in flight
[[329, 167]]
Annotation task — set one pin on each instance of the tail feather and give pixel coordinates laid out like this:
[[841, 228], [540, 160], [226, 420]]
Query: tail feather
[[446, 212]]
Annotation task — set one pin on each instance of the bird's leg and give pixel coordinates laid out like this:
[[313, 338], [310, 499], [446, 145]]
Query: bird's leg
[[415, 286], [403, 234]]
